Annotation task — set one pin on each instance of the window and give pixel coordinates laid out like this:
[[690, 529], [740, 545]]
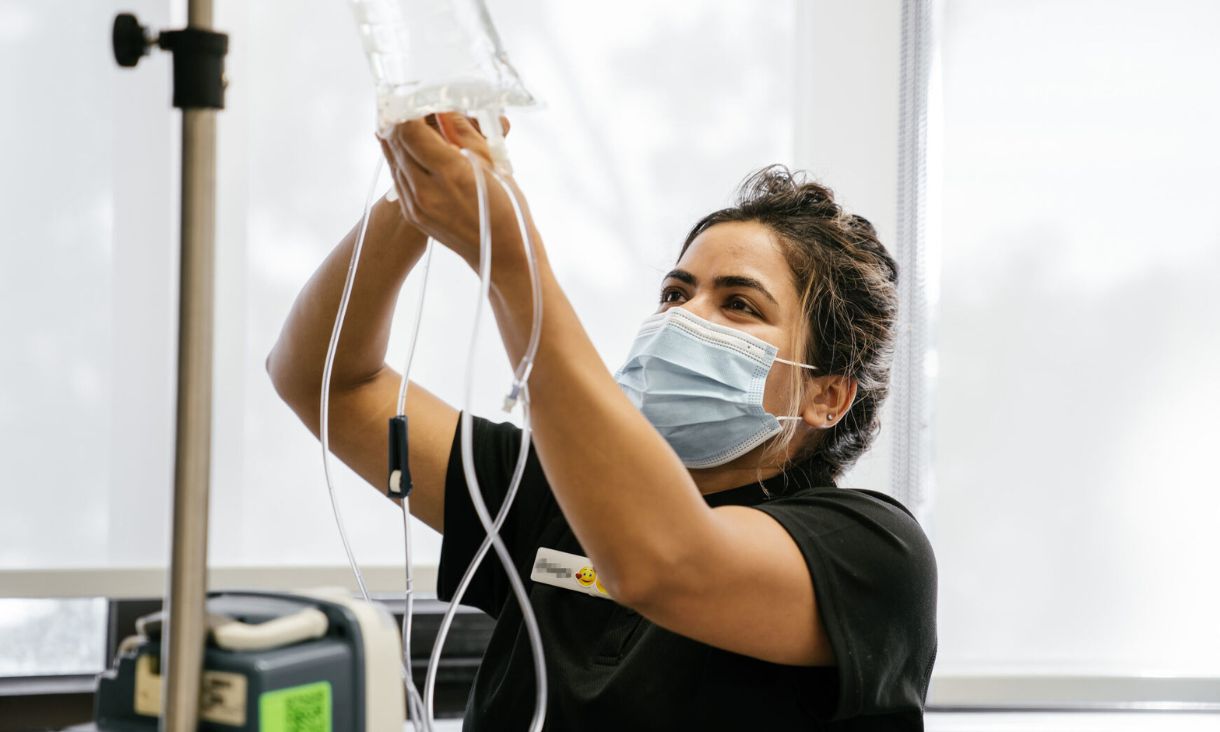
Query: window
[[1074, 510], [624, 157], [45, 637]]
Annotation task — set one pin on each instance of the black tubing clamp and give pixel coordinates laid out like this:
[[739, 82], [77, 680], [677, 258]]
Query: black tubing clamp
[[398, 482]]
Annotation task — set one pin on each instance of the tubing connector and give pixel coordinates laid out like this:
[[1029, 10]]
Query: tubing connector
[[514, 394]]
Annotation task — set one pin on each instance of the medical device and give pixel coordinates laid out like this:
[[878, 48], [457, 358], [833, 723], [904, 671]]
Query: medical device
[[317, 660], [429, 57]]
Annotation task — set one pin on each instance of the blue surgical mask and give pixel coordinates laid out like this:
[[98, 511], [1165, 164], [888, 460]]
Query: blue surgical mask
[[700, 384]]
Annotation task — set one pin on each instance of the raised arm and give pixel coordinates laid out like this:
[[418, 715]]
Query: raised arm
[[364, 389], [730, 577]]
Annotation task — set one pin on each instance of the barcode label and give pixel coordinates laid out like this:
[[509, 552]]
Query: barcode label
[[298, 709]]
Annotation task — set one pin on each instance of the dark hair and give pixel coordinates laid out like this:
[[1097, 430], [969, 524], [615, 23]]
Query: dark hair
[[847, 283]]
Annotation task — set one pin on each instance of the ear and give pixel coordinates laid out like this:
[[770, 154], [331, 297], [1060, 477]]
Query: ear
[[827, 399]]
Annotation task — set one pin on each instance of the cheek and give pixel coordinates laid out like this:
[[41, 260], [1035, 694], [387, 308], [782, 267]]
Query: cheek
[[777, 393]]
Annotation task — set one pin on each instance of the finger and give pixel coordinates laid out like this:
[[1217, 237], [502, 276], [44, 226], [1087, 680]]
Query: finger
[[402, 184], [403, 166], [423, 146], [505, 125], [407, 167], [462, 132]]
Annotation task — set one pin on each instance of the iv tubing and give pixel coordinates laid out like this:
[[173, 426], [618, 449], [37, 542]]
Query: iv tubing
[[467, 434], [489, 122], [521, 377], [519, 390], [413, 698], [522, 374], [447, 620], [332, 348], [401, 409], [418, 715]]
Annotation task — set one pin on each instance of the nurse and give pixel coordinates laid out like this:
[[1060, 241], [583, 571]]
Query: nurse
[[724, 579]]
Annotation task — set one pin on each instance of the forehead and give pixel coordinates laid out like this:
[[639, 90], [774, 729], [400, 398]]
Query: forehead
[[739, 248]]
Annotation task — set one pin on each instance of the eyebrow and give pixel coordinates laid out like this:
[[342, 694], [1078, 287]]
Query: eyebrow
[[723, 281]]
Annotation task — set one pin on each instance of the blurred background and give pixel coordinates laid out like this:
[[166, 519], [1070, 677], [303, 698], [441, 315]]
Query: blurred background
[[1071, 247]]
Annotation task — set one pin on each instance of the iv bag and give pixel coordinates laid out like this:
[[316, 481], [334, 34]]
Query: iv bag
[[431, 56]]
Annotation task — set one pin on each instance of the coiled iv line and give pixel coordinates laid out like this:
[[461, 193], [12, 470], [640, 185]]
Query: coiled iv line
[[521, 378], [467, 428], [420, 712]]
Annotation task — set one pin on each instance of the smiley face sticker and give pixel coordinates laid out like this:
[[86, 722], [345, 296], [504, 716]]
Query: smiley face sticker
[[586, 576], [567, 571]]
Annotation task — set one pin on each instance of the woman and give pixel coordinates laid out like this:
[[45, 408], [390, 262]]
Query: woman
[[748, 590]]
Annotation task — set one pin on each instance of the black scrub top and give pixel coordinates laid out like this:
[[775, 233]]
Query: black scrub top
[[608, 668]]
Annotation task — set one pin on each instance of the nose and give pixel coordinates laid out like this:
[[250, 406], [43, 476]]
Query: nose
[[701, 304]]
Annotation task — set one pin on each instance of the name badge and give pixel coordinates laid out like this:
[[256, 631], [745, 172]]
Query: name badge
[[569, 571]]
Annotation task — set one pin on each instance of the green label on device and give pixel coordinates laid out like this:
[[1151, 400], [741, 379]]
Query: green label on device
[[296, 709]]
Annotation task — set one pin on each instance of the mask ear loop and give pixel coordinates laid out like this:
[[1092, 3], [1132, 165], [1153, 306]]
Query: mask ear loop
[[795, 363], [801, 365]]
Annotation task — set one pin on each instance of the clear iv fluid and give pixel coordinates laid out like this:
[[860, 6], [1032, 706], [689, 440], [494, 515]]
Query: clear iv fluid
[[429, 56]]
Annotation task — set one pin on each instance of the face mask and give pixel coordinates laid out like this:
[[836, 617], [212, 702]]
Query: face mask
[[700, 384]]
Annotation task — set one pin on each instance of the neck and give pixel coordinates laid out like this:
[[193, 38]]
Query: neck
[[735, 474]]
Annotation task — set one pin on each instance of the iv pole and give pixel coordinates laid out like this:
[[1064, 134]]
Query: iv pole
[[198, 73]]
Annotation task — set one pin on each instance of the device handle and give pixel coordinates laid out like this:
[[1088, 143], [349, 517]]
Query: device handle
[[234, 635]]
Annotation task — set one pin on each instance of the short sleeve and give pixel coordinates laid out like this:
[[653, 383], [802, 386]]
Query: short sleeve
[[496, 448], [874, 578]]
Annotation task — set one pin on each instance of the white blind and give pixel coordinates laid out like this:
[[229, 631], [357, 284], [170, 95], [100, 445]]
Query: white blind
[[85, 290], [653, 114], [1077, 392]]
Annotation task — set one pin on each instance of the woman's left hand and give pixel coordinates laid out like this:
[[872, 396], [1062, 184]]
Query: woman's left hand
[[436, 186]]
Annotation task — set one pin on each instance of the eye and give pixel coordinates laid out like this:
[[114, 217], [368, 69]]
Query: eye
[[740, 303], [671, 294]]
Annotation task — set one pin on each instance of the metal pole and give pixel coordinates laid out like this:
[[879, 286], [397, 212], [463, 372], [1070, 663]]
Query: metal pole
[[183, 644]]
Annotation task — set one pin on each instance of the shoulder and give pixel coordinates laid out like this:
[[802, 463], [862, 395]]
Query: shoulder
[[844, 506], [497, 450], [869, 532], [486, 429], [875, 583], [494, 445]]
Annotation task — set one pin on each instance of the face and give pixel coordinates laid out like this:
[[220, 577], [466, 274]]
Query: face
[[735, 274]]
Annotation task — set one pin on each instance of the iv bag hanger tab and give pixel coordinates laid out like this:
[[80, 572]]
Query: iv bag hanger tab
[[199, 57]]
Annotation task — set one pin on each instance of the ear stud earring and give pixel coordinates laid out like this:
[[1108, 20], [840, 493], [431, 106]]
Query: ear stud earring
[[830, 418]]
